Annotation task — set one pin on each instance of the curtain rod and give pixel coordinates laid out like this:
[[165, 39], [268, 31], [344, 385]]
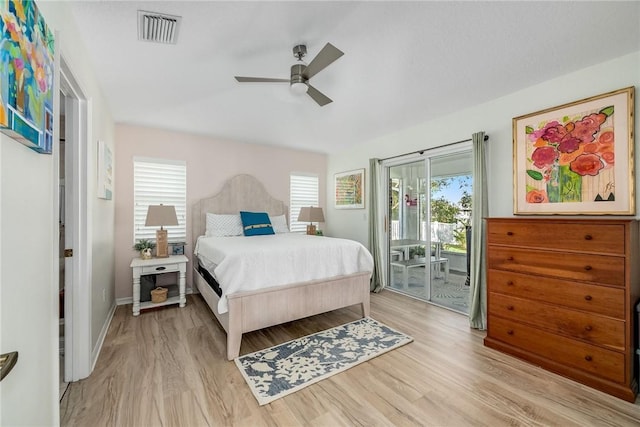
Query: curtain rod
[[486, 138]]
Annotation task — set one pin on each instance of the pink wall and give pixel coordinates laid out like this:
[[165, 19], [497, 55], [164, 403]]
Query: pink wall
[[210, 163]]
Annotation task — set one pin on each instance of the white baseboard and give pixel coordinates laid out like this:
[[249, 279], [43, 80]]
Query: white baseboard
[[129, 300], [103, 333]]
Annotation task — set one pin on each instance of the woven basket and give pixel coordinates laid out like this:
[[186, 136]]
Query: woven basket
[[159, 295]]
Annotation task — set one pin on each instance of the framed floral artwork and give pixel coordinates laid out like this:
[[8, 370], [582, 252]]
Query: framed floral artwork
[[349, 189], [577, 158], [27, 70]]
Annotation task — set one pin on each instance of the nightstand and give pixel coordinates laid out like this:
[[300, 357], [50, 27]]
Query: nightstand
[[172, 264]]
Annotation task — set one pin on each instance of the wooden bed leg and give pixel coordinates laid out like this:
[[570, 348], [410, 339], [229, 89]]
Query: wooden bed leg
[[365, 309], [234, 332], [366, 304], [233, 345]]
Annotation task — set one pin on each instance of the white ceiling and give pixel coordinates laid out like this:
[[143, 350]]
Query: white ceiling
[[405, 62]]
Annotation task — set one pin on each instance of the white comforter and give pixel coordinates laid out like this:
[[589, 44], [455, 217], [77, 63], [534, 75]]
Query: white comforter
[[251, 263]]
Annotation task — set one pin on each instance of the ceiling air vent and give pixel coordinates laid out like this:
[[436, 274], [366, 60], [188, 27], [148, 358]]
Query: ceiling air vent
[[158, 27]]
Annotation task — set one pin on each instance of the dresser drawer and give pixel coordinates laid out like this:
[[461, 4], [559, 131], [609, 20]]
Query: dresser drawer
[[577, 354], [574, 324], [585, 267], [598, 299], [598, 238], [167, 268]]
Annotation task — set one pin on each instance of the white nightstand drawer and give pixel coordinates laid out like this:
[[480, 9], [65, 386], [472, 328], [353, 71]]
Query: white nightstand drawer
[[165, 268]]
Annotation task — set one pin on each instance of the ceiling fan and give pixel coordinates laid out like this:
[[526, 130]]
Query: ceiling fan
[[300, 73]]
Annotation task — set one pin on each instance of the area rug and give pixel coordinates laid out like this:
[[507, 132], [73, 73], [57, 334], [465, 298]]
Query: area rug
[[286, 368]]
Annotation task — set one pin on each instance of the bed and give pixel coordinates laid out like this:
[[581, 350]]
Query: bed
[[256, 309]]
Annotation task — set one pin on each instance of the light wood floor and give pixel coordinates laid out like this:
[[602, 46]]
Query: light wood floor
[[167, 368]]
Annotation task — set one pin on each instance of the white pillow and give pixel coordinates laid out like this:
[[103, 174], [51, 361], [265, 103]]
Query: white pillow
[[279, 224], [223, 225]]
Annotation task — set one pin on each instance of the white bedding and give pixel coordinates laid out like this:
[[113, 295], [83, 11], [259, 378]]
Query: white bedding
[[251, 263]]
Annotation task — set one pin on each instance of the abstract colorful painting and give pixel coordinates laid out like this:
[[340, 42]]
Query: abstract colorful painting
[[576, 158], [26, 75], [350, 189]]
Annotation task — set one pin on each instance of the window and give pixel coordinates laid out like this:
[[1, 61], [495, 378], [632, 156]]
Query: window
[[303, 191], [155, 182]]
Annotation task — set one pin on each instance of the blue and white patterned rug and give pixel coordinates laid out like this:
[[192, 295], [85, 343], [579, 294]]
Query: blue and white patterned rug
[[277, 371]]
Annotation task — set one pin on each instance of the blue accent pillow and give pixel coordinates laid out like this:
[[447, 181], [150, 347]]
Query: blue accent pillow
[[256, 223]]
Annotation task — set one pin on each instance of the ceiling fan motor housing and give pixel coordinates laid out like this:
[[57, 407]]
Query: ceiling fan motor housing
[[297, 72], [298, 83]]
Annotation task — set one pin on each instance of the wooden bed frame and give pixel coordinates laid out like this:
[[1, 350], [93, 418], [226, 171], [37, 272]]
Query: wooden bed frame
[[253, 310]]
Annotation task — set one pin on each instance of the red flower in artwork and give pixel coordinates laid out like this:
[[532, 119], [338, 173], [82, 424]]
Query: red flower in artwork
[[586, 164], [569, 145], [580, 142], [544, 156], [537, 196], [586, 128], [608, 157]]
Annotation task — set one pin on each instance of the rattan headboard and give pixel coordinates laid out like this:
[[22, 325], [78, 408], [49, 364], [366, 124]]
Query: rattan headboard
[[240, 193]]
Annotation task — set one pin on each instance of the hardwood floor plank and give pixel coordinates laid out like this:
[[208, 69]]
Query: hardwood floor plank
[[168, 367]]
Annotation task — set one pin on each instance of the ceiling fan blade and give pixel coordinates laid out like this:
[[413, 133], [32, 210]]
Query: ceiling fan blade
[[323, 59], [318, 96], [259, 80]]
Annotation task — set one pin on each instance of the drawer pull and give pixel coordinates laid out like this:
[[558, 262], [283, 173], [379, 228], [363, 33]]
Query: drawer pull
[[588, 358], [587, 267], [588, 297], [160, 268], [510, 258], [510, 283], [510, 332], [588, 328], [588, 237], [510, 307], [509, 233]]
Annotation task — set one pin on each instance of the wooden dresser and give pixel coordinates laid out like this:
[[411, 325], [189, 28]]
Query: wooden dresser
[[561, 294]]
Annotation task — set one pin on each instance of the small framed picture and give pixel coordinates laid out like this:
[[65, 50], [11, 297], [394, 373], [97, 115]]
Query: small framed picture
[[349, 189], [176, 248]]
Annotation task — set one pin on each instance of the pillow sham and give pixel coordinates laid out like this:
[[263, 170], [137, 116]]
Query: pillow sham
[[256, 223], [279, 223], [220, 225]]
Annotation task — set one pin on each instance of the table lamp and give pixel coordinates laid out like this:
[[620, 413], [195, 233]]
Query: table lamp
[[161, 215], [311, 214]]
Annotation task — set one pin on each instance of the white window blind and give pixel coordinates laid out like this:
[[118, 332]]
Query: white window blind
[[303, 191], [156, 182]]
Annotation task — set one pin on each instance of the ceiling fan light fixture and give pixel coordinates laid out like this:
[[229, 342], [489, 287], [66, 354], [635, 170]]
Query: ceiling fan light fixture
[[299, 88]]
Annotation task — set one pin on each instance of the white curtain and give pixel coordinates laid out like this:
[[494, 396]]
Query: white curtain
[[480, 210], [377, 219]]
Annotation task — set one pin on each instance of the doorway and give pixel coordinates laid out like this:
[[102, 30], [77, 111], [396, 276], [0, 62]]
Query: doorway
[[75, 305], [64, 228], [430, 211]]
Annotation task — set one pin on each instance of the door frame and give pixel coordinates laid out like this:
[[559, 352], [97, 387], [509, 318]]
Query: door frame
[[425, 156], [77, 299]]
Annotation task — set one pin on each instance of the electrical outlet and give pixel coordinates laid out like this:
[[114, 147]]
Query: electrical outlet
[[104, 295]]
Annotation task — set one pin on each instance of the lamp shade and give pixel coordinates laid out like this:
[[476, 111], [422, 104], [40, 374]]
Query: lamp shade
[[161, 215], [311, 214]]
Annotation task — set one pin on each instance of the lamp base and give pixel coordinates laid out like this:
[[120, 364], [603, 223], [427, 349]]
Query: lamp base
[[162, 244], [311, 230]]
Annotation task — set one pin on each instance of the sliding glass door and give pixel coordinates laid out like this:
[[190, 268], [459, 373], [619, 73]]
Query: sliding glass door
[[429, 224]]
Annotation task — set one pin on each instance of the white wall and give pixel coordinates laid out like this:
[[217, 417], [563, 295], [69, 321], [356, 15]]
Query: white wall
[[494, 118], [29, 248]]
